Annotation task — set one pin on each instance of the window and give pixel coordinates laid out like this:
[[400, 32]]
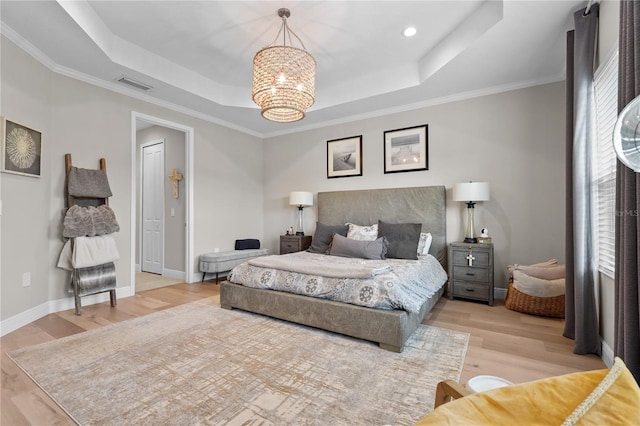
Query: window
[[604, 178]]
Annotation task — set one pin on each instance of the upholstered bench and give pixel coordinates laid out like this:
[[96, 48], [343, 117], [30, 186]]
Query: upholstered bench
[[226, 260]]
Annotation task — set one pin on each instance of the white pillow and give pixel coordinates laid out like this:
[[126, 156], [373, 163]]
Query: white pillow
[[425, 243], [362, 233], [537, 287]]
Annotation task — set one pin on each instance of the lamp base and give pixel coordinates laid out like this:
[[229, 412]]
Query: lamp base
[[470, 235]]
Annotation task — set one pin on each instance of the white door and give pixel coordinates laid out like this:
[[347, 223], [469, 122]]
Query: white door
[[152, 208]]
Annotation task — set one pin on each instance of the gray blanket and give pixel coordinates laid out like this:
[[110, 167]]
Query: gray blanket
[[314, 266], [88, 183], [95, 279], [89, 221]]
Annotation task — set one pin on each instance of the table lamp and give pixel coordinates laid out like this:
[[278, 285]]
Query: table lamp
[[470, 192], [302, 200]]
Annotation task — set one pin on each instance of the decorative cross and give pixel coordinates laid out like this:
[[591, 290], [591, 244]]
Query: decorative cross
[[175, 178], [470, 258]]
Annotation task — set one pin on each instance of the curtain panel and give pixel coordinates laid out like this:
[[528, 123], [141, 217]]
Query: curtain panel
[[627, 228], [581, 323]]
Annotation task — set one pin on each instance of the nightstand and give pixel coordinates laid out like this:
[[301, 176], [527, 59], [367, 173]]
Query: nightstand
[[294, 243], [471, 271]]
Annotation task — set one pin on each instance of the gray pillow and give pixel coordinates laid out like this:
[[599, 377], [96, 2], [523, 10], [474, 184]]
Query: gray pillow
[[346, 247], [323, 235], [403, 239]]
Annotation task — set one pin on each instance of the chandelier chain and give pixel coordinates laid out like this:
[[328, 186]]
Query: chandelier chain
[[284, 29]]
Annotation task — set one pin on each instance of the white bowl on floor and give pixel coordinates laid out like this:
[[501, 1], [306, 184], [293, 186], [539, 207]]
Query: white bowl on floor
[[485, 383]]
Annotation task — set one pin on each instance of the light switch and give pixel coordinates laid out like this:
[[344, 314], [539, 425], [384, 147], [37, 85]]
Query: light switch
[[173, 212]]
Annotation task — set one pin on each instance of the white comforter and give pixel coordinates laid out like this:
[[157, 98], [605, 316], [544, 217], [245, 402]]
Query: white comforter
[[407, 284]]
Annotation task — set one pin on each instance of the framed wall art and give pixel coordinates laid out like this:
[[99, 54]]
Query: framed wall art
[[344, 157], [406, 150], [21, 149]]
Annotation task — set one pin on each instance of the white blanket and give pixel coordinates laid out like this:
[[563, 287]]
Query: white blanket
[[88, 251], [315, 267], [538, 287]]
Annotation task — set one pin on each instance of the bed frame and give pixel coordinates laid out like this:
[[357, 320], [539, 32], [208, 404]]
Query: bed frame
[[390, 329]]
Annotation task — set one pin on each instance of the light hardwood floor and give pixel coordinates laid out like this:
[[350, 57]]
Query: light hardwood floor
[[148, 281], [508, 344]]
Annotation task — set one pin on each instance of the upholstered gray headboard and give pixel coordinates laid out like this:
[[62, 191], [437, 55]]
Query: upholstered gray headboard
[[425, 204]]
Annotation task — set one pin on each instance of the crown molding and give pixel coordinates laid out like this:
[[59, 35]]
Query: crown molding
[[112, 86], [423, 104], [39, 56]]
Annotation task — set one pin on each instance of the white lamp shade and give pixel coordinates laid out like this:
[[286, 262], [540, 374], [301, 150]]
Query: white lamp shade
[[471, 191], [301, 198]]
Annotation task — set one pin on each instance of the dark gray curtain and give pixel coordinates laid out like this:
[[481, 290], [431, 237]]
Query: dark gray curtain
[[627, 322], [581, 322]]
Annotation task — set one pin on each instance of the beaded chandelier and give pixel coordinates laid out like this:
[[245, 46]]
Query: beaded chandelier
[[284, 77]]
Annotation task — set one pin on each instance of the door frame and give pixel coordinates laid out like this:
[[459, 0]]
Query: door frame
[[188, 191], [139, 206]]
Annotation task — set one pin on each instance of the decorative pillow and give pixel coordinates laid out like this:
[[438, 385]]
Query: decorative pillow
[[323, 236], [362, 233], [346, 247], [425, 243], [537, 287], [598, 397], [402, 237], [615, 400], [247, 244]]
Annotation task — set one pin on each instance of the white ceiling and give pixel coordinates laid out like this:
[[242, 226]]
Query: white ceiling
[[198, 55]]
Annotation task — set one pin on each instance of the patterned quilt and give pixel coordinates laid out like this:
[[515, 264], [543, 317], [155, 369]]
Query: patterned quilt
[[407, 284]]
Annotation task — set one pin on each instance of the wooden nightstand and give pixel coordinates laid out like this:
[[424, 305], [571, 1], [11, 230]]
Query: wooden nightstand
[[294, 243], [471, 271]]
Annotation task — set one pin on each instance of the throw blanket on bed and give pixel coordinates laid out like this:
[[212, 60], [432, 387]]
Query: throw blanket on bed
[[89, 221], [406, 285], [88, 251], [315, 266], [95, 279]]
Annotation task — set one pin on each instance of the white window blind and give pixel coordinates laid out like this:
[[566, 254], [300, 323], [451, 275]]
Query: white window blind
[[604, 179]]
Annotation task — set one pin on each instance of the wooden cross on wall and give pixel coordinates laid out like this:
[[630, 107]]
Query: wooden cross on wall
[[175, 179]]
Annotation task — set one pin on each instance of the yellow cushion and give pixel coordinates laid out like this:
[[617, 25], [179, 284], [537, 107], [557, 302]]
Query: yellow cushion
[[602, 397]]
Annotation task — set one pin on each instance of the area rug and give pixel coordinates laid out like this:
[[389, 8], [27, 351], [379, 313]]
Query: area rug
[[200, 364]]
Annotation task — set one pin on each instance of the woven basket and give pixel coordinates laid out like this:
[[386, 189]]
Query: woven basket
[[543, 306]]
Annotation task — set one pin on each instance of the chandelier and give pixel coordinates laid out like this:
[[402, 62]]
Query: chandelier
[[284, 77]]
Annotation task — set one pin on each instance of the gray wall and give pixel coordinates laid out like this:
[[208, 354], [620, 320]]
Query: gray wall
[[174, 226], [26, 217], [513, 140], [90, 122]]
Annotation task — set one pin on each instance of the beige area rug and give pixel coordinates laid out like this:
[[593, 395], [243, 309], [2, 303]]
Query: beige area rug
[[200, 364]]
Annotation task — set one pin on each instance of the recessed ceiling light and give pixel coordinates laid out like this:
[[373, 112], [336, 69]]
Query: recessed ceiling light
[[409, 31]]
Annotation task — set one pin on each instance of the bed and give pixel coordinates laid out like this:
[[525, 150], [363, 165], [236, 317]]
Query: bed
[[390, 328]]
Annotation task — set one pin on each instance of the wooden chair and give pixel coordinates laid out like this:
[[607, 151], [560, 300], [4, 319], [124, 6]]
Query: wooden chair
[[448, 390]]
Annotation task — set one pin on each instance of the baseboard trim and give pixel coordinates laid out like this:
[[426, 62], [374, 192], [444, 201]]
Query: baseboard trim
[[607, 354], [30, 315], [172, 273], [500, 293]]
